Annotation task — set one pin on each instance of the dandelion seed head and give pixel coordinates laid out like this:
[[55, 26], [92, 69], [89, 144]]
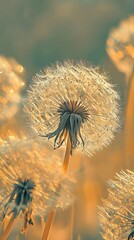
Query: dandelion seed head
[[32, 180], [120, 45], [117, 213], [73, 99]]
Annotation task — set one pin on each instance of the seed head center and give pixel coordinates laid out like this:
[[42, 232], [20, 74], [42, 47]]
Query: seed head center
[[20, 200], [72, 114]]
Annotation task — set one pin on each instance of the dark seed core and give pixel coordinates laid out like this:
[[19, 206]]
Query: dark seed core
[[20, 200], [72, 115], [131, 235]]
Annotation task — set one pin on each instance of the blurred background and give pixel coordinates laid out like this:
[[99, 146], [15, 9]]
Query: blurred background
[[35, 34]]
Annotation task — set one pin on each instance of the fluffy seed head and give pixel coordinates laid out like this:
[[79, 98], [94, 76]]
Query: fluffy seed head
[[31, 180], [120, 45], [117, 213], [11, 83], [75, 100]]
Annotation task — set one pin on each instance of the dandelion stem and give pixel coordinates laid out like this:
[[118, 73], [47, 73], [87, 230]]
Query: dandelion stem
[[48, 224], [129, 136], [72, 222], [78, 238], [53, 211], [3, 223], [8, 228], [67, 155], [1, 228]]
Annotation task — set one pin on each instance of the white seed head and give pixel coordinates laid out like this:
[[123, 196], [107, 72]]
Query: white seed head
[[117, 213], [75, 99], [31, 179]]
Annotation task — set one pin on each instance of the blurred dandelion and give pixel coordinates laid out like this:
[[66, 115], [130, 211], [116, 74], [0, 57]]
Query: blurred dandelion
[[117, 213], [73, 102], [11, 83], [120, 46], [32, 182]]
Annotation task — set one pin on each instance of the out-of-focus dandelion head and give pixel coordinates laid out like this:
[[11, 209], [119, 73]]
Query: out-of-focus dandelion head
[[32, 180], [73, 100], [117, 212], [120, 46], [11, 83]]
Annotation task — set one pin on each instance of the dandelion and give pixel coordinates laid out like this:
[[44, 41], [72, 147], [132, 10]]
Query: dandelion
[[31, 182], [120, 46], [117, 213], [73, 103], [11, 83]]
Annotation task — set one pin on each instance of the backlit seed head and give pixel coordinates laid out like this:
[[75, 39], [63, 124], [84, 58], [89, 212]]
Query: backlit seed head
[[120, 46], [73, 100], [117, 213], [31, 180]]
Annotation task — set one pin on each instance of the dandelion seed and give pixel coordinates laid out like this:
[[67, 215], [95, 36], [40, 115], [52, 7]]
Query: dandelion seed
[[73, 101], [117, 213], [120, 46], [32, 181]]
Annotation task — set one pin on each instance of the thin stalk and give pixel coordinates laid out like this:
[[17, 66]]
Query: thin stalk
[[3, 223], [53, 210], [8, 228], [78, 238], [48, 224], [1, 228], [129, 127], [72, 222], [67, 154]]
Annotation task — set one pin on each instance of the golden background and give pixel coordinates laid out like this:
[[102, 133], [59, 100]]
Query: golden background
[[38, 33]]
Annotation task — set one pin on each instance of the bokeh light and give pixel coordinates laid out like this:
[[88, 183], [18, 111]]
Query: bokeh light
[[120, 46], [11, 83]]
